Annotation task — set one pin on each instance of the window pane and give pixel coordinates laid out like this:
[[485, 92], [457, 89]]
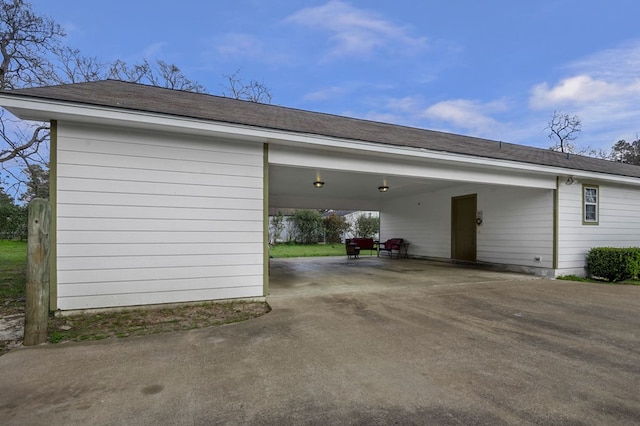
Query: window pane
[[590, 213], [590, 195]]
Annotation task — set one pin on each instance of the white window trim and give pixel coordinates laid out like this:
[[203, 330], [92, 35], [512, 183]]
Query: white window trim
[[586, 221]]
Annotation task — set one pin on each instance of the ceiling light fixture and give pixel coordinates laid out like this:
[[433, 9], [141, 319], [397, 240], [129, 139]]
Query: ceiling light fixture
[[318, 184], [383, 188]]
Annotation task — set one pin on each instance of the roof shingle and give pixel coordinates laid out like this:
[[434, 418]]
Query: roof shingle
[[138, 97]]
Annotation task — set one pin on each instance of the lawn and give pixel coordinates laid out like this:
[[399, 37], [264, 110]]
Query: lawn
[[13, 269], [310, 250], [13, 278]]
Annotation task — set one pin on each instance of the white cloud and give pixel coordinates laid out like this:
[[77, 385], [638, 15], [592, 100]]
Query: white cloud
[[326, 93], [617, 64], [355, 31], [472, 116], [153, 50], [406, 104], [582, 90], [232, 46]]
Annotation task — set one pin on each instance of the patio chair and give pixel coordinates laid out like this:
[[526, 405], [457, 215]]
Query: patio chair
[[353, 251]]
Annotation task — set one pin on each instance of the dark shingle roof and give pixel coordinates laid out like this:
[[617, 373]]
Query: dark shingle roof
[[138, 97]]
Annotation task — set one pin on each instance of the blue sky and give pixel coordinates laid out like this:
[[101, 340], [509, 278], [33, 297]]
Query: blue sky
[[496, 68]]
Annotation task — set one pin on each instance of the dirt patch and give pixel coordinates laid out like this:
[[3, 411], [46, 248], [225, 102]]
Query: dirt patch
[[11, 324], [135, 322]]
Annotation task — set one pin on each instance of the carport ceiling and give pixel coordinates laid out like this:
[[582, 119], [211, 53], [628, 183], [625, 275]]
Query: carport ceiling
[[293, 187]]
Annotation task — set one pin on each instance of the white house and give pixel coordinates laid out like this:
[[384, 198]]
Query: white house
[[162, 196]]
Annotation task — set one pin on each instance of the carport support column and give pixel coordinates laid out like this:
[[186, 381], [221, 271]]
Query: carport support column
[[556, 220], [266, 263]]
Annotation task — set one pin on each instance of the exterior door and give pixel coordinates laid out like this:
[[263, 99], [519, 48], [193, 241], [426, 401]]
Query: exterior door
[[463, 227]]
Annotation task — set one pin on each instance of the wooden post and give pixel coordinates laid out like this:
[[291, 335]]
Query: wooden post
[[37, 298]]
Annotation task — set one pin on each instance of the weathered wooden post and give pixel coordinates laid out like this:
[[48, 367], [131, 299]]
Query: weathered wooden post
[[37, 298]]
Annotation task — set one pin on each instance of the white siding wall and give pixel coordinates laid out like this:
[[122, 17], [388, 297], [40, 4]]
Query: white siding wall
[[619, 224], [147, 218], [517, 227]]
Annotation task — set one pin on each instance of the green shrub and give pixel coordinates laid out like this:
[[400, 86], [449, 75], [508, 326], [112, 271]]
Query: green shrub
[[13, 221], [307, 226], [334, 227], [367, 226], [613, 264]]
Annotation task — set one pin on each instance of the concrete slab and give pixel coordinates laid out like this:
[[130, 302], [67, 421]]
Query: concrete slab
[[431, 345]]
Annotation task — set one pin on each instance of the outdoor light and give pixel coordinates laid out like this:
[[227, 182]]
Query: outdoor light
[[318, 184], [383, 188]]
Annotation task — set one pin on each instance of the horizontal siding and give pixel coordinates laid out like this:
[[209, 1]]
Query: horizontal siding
[[193, 188], [238, 209], [137, 249], [423, 221], [156, 218], [156, 164], [619, 223], [92, 263], [142, 288], [114, 174], [143, 224], [149, 278], [216, 290], [156, 237], [517, 224], [212, 198]]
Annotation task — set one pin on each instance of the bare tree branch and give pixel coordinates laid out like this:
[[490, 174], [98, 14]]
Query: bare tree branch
[[161, 74], [253, 91], [25, 39], [17, 144], [563, 130]]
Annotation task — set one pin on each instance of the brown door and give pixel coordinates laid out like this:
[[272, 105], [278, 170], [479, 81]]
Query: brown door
[[463, 227]]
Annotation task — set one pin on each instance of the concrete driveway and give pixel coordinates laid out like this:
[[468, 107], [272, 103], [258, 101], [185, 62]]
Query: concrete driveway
[[369, 341]]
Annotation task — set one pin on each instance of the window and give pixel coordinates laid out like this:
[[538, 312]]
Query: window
[[590, 204]]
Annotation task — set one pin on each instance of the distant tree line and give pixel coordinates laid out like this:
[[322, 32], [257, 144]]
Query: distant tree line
[[310, 227]]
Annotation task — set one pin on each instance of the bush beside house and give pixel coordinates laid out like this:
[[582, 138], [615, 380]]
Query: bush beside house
[[613, 264]]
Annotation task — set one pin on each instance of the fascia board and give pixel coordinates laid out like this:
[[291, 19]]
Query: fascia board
[[38, 109]]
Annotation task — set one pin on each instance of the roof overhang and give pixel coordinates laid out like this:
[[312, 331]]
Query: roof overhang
[[40, 109]]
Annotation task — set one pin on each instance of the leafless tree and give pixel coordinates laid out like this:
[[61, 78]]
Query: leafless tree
[[563, 130], [70, 66], [25, 41], [253, 91], [32, 54], [161, 74]]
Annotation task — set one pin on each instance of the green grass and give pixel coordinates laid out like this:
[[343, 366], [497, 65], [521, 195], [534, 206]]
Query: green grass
[[13, 269], [310, 250], [589, 280]]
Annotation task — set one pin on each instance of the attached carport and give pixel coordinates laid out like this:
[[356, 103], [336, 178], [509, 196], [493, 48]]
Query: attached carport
[[162, 196], [448, 207]]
